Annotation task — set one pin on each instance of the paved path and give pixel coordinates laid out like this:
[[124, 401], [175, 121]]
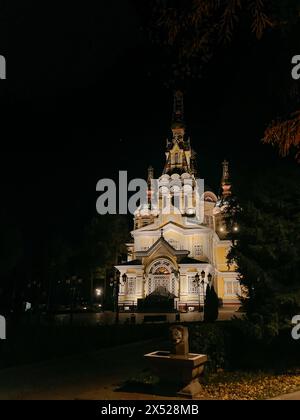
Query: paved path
[[91, 376], [108, 318], [94, 376], [295, 396]]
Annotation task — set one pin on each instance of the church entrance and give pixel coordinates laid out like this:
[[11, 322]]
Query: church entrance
[[160, 283], [161, 288], [161, 278]]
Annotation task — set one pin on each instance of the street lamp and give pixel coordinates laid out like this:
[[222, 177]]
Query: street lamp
[[203, 288], [98, 292], [197, 283], [73, 282], [209, 278], [115, 283]]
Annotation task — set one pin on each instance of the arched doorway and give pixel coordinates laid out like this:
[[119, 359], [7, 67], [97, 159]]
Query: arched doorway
[[161, 278]]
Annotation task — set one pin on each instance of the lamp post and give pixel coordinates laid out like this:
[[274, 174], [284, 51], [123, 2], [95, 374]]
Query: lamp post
[[203, 288], [209, 278], [200, 282], [197, 284], [99, 295], [73, 283], [115, 283]]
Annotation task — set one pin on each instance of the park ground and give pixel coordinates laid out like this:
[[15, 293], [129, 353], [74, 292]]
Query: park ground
[[112, 374]]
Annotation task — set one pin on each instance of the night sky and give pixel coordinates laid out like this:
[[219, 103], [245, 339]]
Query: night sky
[[87, 95]]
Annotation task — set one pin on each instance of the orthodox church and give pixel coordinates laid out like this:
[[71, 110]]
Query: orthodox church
[[180, 251]]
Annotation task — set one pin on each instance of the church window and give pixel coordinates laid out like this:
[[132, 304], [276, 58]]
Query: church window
[[198, 251], [176, 158], [193, 289], [162, 271], [232, 288], [131, 285]]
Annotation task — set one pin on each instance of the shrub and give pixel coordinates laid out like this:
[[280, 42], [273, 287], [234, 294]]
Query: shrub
[[210, 339]]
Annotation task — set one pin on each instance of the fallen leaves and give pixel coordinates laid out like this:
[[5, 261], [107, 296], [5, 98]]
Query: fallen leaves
[[249, 386]]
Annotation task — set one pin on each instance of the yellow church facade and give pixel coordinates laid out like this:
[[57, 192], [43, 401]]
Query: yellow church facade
[[180, 241]]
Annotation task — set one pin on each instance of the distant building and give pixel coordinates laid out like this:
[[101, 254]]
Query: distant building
[[179, 252]]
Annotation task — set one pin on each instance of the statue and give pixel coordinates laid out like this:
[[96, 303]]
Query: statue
[[180, 340]]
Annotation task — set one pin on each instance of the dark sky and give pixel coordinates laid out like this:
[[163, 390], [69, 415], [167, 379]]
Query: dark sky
[[87, 99]]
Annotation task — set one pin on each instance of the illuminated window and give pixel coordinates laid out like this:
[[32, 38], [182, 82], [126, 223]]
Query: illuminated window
[[198, 251], [193, 289], [232, 288], [131, 285]]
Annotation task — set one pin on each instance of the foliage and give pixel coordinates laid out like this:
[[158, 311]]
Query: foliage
[[267, 250], [104, 241], [11, 246], [192, 30], [11, 259], [240, 345], [60, 258], [98, 249], [249, 386], [285, 134], [209, 339], [211, 310]]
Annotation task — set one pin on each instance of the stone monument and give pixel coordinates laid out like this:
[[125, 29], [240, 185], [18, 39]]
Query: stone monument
[[179, 341], [179, 367]]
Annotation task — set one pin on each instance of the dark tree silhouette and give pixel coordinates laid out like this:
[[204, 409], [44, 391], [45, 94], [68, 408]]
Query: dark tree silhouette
[[211, 310]]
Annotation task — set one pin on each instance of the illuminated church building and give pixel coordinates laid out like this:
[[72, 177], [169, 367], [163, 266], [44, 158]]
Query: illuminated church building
[[177, 253]]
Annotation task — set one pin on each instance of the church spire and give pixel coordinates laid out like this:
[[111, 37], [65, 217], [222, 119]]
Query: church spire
[[226, 182], [179, 150], [150, 176], [178, 111], [178, 124]]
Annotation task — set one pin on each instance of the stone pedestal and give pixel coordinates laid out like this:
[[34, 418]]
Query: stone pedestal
[[182, 371]]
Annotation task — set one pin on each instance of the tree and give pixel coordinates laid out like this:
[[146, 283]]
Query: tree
[[285, 134], [103, 243], [211, 308], [11, 246], [11, 255], [60, 258], [192, 32], [267, 249]]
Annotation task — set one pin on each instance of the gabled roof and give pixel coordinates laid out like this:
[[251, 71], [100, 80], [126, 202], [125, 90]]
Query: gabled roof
[[171, 222], [162, 242], [188, 260], [130, 263]]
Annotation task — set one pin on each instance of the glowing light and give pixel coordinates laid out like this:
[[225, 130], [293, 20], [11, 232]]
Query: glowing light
[[98, 292]]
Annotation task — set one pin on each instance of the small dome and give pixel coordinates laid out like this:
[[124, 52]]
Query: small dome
[[186, 176]]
